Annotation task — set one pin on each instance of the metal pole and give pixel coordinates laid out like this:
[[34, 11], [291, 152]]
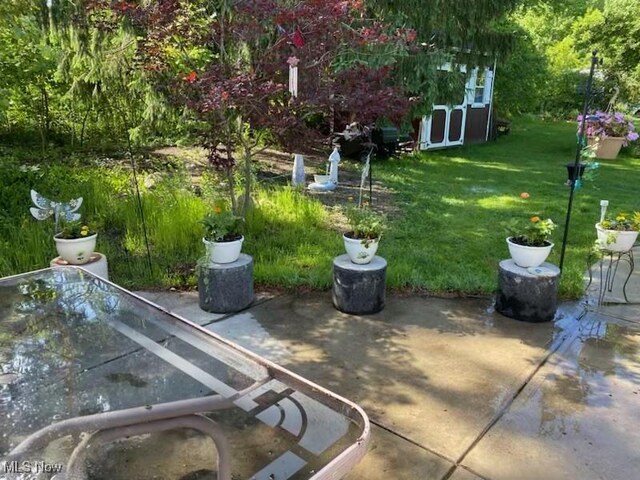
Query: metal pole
[[576, 165]]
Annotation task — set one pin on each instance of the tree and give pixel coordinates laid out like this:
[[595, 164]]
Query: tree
[[615, 34], [457, 31], [228, 62]]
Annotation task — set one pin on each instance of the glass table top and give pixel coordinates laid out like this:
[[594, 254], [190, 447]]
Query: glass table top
[[96, 383]]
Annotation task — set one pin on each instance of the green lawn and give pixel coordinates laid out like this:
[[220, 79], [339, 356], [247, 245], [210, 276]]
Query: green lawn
[[450, 237], [445, 237]]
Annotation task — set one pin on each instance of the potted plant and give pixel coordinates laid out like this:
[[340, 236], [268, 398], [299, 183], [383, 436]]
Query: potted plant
[[530, 245], [76, 242], [607, 133], [222, 240], [362, 240], [618, 234]]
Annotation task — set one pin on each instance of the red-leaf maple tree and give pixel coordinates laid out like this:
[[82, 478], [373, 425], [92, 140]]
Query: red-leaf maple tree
[[228, 62]]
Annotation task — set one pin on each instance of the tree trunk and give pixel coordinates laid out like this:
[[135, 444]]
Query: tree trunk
[[246, 201], [84, 124], [44, 114]]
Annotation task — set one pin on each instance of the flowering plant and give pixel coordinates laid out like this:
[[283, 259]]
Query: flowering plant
[[604, 124], [622, 222], [75, 230], [222, 226], [365, 224], [535, 233]]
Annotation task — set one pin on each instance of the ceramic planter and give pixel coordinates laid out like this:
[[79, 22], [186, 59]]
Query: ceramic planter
[[359, 252], [76, 251], [223, 252], [606, 148], [615, 240], [527, 257]]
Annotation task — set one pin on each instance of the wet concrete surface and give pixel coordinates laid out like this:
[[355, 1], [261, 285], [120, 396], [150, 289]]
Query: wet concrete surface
[[455, 390]]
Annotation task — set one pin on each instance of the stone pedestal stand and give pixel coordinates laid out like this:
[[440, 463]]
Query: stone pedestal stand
[[97, 265], [359, 289], [226, 287], [530, 295]]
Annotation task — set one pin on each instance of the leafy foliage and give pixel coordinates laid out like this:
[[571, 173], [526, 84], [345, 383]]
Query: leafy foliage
[[534, 233], [75, 230], [622, 222], [222, 225], [365, 223]]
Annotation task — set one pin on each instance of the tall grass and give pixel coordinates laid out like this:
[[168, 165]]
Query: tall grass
[[171, 212], [446, 235]]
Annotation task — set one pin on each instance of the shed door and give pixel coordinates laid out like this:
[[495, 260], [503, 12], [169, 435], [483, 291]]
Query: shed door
[[445, 127]]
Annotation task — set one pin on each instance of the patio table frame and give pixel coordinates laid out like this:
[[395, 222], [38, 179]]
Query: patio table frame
[[109, 426]]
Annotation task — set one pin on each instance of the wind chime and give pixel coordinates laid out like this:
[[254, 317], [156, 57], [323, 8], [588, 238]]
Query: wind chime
[[296, 40]]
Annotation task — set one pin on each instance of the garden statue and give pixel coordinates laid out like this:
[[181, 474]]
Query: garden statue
[[328, 182]]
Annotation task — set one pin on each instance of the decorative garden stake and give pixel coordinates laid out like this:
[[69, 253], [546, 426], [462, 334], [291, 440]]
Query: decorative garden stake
[[46, 208], [603, 209], [579, 147]]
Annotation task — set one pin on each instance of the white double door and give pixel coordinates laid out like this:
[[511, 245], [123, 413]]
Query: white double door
[[445, 127]]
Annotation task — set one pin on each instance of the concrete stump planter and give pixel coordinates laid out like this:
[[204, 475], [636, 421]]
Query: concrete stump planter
[[527, 294], [226, 287], [359, 289]]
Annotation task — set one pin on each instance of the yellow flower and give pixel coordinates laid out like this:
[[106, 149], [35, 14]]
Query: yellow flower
[[621, 218], [84, 227], [535, 219], [217, 210], [84, 233]]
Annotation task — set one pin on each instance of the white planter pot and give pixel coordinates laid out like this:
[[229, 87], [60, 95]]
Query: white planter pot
[[76, 251], [614, 240], [358, 252], [223, 252], [527, 257]]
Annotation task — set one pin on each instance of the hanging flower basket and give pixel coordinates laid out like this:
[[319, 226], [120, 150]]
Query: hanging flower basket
[[606, 148]]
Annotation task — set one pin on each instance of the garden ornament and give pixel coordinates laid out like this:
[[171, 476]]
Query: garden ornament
[[365, 173], [297, 177], [293, 75], [334, 160], [46, 208], [603, 209]]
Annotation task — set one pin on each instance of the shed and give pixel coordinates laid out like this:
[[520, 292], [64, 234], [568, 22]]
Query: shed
[[466, 122]]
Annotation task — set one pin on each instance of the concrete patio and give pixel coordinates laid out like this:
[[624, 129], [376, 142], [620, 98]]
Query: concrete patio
[[455, 390]]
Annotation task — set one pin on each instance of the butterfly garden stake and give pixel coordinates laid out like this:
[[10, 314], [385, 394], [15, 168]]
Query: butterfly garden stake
[[46, 208]]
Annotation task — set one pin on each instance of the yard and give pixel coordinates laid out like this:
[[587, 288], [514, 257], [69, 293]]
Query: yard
[[447, 212]]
